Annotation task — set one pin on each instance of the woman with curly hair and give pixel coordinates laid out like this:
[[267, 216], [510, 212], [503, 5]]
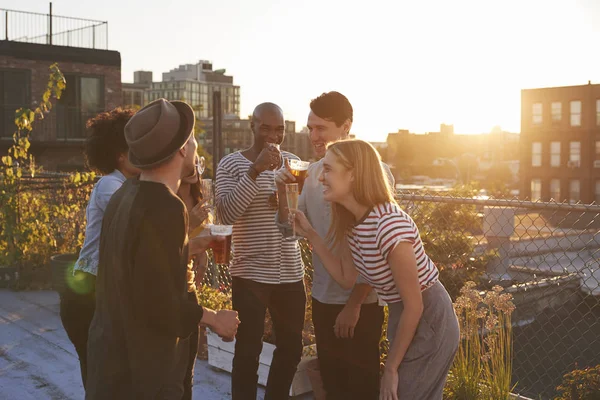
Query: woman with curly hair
[[106, 153]]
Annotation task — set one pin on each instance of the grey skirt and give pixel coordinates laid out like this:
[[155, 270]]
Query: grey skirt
[[423, 371]]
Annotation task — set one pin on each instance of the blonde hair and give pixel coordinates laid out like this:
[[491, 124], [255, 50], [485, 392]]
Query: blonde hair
[[369, 188]]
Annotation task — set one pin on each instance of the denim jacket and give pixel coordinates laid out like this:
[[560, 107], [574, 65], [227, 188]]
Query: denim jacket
[[101, 194]]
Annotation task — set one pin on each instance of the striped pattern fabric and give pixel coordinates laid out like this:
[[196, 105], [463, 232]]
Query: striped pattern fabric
[[372, 240], [259, 251]]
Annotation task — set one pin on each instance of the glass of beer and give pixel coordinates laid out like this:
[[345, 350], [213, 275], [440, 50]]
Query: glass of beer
[[300, 170], [221, 248], [292, 193], [207, 188]]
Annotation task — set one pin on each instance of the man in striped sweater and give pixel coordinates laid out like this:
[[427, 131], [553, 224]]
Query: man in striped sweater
[[267, 271]]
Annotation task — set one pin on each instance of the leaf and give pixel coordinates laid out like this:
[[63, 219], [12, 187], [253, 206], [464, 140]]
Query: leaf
[[7, 160]]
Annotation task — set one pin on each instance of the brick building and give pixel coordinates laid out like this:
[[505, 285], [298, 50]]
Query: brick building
[[93, 84], [560, 143], [427, 154]]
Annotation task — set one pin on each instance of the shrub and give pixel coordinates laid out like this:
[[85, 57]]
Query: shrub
[[580, 384]]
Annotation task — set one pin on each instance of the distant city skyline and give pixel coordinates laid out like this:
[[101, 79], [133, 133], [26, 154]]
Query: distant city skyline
[[404, 65]]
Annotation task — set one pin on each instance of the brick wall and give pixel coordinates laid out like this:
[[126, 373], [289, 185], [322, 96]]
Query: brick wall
[[51, 153], [40, 72]]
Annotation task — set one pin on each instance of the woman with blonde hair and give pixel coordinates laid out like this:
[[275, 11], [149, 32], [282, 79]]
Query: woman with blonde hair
[[373, 237]]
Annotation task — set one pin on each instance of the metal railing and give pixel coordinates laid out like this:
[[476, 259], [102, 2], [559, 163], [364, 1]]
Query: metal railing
[[50, 29], [62, 123]]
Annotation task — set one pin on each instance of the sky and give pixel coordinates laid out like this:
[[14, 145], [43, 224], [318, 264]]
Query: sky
[[403, 64]]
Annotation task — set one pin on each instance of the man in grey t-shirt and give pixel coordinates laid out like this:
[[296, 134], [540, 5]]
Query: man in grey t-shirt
[[347, 323]]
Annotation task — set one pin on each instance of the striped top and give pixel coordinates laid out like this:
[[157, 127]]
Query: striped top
[[372, 240], [259, 251]]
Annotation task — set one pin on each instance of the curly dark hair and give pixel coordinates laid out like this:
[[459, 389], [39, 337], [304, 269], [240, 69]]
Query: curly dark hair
[[107, 139], [333, 106]]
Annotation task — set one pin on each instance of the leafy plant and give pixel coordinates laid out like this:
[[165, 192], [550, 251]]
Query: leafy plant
[[580, 384], [448, 233], [213, 298], [38, 221], [482, 367]]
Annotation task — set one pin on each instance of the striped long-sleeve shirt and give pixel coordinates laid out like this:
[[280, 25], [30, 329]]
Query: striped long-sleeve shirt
[[259, 251]]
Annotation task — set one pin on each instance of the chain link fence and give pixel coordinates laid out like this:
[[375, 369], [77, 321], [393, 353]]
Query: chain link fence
[[547, 255]]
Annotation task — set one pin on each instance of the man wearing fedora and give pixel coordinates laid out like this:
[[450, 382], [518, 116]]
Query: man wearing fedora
[[138, 341]]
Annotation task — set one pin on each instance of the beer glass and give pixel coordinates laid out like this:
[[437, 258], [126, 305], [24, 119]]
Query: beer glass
[[207, 190], [221, 248], [300, 170], [272, 199], [292, 193]]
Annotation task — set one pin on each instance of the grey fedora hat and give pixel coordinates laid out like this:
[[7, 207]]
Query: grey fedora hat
[[156, 132]]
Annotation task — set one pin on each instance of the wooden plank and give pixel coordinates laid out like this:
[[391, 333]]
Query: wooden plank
[[220, 355]]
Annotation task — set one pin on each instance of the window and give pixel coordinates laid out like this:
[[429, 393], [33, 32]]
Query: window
[[555, 154], [15, 92], [537, 113], [555, 189], [575, 154], [536, 189], [556, 111], [536, 154], [574, 191], [82, 99], [576, 113]]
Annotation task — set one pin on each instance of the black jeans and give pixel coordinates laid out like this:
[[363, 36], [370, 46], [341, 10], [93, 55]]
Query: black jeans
[[286, 304], [349, 367], [188, 381], [76, 313]]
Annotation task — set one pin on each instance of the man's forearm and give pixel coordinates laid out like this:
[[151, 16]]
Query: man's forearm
[[360, 292]]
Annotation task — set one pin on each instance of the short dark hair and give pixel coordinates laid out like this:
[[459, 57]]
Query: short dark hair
[[106, 140], [333, 106]]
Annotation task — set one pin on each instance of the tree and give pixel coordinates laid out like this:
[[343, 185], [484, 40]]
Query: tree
[[499, 178]]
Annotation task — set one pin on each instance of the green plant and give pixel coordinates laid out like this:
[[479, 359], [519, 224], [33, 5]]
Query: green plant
[[38, 222], [447, 230], [213, 298], [482, 367], [580, 384]]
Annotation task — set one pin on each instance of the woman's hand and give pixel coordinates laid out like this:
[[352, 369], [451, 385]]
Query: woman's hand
[[303, 227], [389, 385], [198, 214], [199, 244], [283, 176]]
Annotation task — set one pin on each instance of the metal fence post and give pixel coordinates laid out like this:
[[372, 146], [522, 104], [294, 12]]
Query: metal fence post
[[50, 25]]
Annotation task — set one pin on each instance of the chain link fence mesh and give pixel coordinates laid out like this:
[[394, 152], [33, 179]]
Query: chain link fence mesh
[[547, 255]]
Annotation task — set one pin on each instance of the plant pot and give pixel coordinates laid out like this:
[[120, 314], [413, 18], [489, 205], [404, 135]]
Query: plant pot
[[62, 270], [220, 355], [314, 376]]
